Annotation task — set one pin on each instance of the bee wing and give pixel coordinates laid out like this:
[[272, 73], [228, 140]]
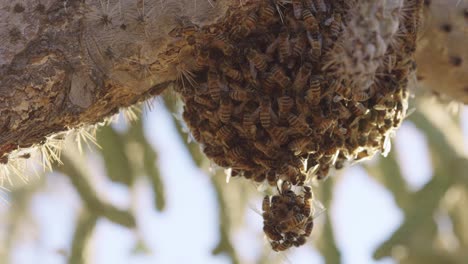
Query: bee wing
[[317, 208]]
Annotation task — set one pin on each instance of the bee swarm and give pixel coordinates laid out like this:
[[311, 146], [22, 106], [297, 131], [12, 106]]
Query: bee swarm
[[287, 217], [263, 96]]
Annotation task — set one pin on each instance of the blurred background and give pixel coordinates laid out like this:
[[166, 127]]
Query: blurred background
[[147, 195]]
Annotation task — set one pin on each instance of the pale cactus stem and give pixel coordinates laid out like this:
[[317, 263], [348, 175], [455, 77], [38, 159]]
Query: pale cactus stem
[[442, 53]]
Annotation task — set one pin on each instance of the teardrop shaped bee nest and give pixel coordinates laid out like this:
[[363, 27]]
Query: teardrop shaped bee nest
[[261, 99]]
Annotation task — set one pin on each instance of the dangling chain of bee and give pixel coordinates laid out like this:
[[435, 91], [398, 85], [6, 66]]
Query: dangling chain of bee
[[258, 101]]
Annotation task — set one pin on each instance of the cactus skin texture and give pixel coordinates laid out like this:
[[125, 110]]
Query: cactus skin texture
[[442, 53]]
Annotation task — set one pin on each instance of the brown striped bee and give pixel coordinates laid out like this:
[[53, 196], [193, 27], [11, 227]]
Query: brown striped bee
[[344, 92], [301, 240], [310, 22], [299, 45], [214, 86], [220, 161], [257, 59], [358, 109], [278, 135], [291, 223], [360, 96], [202, 60], [225, 109], [302, 145], [302, 76], [239, 95], [265, 113], [280, 77], [222, 43], [272, 233], [248, 25], [299, 123], [250, 76], [266, 149], [231, 72], [225, 134], [325, 124], [312, 95], [207, 102], [285, 104], [280, 246], [335, 26], [308, 227], [267, 13], [315, 43], [284, 47], [248, 123]]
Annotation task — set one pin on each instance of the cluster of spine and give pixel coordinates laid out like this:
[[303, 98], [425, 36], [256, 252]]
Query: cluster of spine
[[264, 94], [288, 217]]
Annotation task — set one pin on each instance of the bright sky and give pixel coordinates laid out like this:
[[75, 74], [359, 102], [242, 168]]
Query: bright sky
[[363, 212]]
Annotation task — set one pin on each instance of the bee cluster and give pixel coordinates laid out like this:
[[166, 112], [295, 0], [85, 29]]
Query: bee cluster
[[287, 217], [260, 101]]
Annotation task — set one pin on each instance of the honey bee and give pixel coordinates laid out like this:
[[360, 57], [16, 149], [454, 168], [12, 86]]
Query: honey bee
[[236, 153], [214, 86], [285, 104], [316, 47], [278, 135], [267, 13], [306, 207], [342, 111], [212, 151], [257, 59], [292, 223], [208, 103], [302, 145], [220, 161], [248, 25], [344, 92], [248, 123], [280, 246], [280, 77], [285, 186], [269, 151], [230, 72], [225, 134], [308, 227], [297, 8], [220, 42], [300, 124], [300, 45], [239, 95], [265, 113], [302, 76], [272, 233], [201, 60], [312, 95], [284, 47], [249, 76], [335, 26], [225, 109], [307, 192], [271, 177], [358, 109], [310, 22], [289, 172], [325, 124], [360, 96], [301, 240], [266, 163]]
